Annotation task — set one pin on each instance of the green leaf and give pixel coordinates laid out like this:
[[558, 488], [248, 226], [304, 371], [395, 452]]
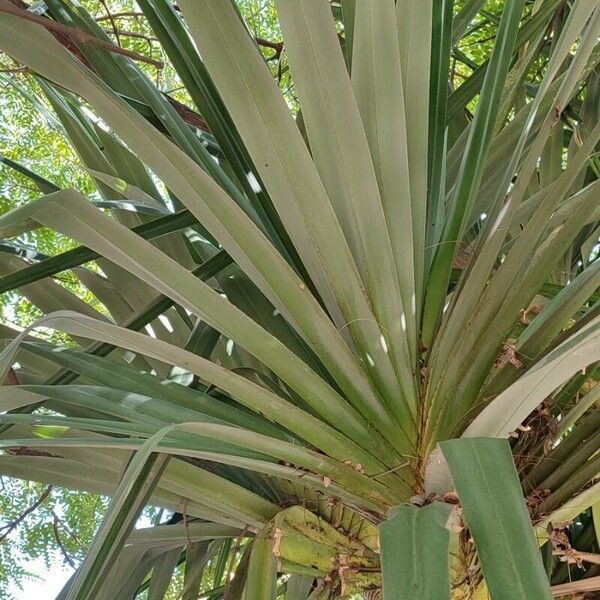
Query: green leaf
[[45, 186], [47, 295], [120, 70], [78, 256], [549, 323], [490, 493], [286, 167], [195, 561], [414, 24], [299, 587], [379, 91], [572, 416], [440, 64], [461, 97], [162, 573], [206, 200], [262, 571], [168, 26], [239, 387], [141, 258], [348, 17], [510, 408], [138, 482], [343, 159], [464, 18], [221, 562], [471, 170], [465, 355], [414, 553]]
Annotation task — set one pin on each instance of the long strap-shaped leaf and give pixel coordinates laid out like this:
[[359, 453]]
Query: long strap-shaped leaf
[[438, 95], [348, 17], [169, 28], [137, 321], [254, 395], [248, 393], [472, 165], [210, 496], [461, 97], [118, 69], [240, 237], [508, 410], [542, 331], [490, 494], [262, 573], [464, 17], [466, 384], [348, 477], [493, 307], [378, 87], [76, 217], [94, 449], [45, 186], [414, 553], [47, 295], [195, 562], [521, 293], [343, 159], [263, 445], [286, 167], [162, 574], [414, 21], [123, 378], [494, 233], [78, 256], [137, 484], [178, 534]]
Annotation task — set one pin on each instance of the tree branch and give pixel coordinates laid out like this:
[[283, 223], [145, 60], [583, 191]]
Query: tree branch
[[277, 46], [190, 116], [74, 33], [112, 21], [61, 546], [119, 15], [133, 34], [10, 527]]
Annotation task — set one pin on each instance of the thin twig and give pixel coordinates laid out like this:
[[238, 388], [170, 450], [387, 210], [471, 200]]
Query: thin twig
[[61, 546], [277, 46], [112, 21], [591, 584], [268, 43], [10, 527], [186, 525], [71, 533], [134, 34], [74, 33], [120, 15]]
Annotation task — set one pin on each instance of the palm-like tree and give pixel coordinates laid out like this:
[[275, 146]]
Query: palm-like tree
[[351, 309]]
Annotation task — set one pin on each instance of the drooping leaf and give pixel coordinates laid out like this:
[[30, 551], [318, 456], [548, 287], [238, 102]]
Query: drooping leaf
[[495, 512], [414, 552]]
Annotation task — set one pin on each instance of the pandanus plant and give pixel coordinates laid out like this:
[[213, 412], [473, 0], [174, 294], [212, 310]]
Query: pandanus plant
[[348, 331]]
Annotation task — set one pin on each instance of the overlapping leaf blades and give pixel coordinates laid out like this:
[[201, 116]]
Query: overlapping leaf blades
[[332, 295]]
